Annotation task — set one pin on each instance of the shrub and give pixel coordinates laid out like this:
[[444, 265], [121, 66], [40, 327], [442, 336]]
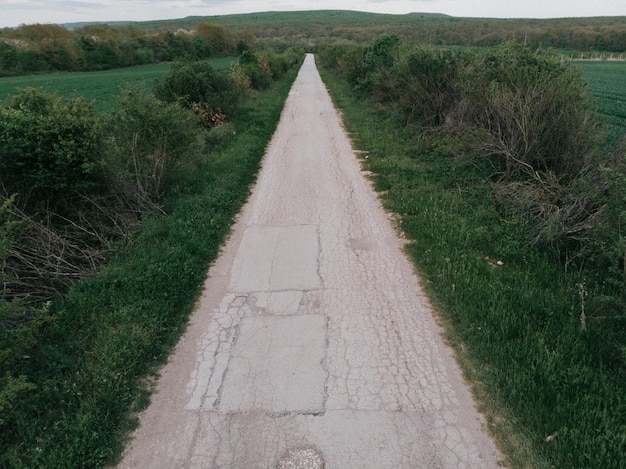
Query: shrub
[[259, 72], [221, 135], [379, 57], [240, 80], [148, 140], [534, 112], [49, 149], [345, 61], [198, 82], [426, 83]]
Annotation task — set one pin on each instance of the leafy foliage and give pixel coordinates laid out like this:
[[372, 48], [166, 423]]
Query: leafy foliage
[[198, 82], [426, 83], [336, 27], [49, 149], [379, 56], [148, 140], [43, 48], [536, 111]]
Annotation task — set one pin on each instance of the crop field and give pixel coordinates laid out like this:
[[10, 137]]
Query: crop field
[[102, 86], [606, 81]]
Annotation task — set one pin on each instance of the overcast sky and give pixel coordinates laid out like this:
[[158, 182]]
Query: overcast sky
[[16, 12]]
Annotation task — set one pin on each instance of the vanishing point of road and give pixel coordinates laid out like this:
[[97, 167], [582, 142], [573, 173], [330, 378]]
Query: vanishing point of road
[[313, 344]]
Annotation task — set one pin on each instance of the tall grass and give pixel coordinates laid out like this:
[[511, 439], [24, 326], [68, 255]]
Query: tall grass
[[93, 364], [514, 317]]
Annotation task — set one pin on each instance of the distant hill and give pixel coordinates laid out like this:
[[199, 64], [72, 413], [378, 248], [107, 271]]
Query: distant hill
[[81, 24], [309, 28], [341, 26]]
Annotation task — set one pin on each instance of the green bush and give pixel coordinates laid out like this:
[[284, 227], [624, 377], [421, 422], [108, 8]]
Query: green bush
[[379, 57], [221, 135], [426, 83], [259, 72], [532, 118], [50, 149], [344, 61], [198, 82], [148, 140]]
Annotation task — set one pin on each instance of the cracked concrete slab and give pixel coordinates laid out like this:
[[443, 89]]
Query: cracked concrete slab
[[312, 330], [278, 366], [274, 258]]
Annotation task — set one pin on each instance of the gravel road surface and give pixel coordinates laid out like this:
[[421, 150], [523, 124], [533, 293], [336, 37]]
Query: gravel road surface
[[313, 344]]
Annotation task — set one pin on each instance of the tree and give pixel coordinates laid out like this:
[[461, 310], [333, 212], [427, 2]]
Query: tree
[[220, 41]]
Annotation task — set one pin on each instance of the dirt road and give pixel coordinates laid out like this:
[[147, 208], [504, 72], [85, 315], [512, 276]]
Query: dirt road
[[313, 342]]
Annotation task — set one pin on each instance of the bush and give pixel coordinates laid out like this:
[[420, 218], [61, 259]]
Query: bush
[[258, 71], [344, 61], [535, 113], [221, 135], [50, 149], [379, 57], [148, 141], [198, 82], [426, 83]]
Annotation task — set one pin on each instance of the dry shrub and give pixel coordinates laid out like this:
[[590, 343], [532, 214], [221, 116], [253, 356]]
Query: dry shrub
[[210, 117], [39, 262], [554, 212], [535, 114]]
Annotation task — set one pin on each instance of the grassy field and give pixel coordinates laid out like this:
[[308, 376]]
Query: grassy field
[[102, 87], [606, 81]]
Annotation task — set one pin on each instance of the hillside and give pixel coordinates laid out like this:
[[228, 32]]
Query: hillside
[[337, 26]]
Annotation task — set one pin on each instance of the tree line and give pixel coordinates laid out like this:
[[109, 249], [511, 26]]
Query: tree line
[[44, 48], [606, 34], [53, 48]]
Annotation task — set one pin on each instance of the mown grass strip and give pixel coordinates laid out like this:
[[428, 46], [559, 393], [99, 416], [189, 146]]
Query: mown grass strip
[[550, 398], [116, 328]]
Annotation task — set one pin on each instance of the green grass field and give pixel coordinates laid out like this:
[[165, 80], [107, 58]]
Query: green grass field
[[102, 87], [606, 81]]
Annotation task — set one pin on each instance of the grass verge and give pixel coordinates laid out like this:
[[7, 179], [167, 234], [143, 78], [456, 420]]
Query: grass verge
[[511, 313], [114, 330]]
